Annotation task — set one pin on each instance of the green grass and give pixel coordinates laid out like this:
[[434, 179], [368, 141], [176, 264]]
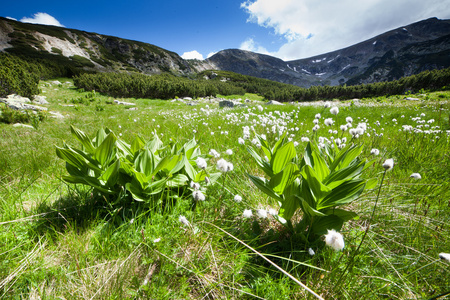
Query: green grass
[[60, 241]]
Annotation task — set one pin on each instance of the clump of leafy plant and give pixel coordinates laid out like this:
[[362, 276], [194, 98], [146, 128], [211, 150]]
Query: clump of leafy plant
[[145, 171], [11, 116], [317, 183]]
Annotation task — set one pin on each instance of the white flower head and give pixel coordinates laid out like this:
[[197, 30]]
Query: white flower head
[[237, 198], [445, 256], [335, 240], [329, 121], [349, 120], [195, 185], [334, 110], [311, 251], [327, 104], [229, 152], [375, 151], [247, 213], [262, 213], [183, 220], [157, 240], [416, 176], [241, 141], [214, 153], [198, 196], [224, 166], [388, 164], [201, 163], [318, 116]]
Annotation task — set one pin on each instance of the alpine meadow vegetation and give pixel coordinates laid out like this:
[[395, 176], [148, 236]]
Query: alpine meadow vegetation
[[330, 200]]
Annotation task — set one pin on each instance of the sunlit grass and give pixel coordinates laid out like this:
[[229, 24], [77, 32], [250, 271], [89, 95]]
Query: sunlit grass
[[59, 241]]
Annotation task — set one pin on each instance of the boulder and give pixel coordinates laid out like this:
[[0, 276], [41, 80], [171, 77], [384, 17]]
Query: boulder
[[22, 125], [40, 100], [20, 103], [273, 102], [412, 99], [123, 103]]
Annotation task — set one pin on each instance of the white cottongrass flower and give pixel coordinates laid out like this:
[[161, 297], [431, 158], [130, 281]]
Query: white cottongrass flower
[[214, 153], [349, 120], [375, 151], [445, 256], [327, 104], [329, 121], [304, 139], [201, 163], [335, 240], [416, 176], [195, 185], [272, 212], [183, 220], [343, 127], [237, 198], [311, 251], [224, 166], [241, 141], [388, 164], [316, 121], [334, 110], [157, 240], [247, 213], [318, 116], [229, 152], [198, 196], [315, 128], [262, 213]]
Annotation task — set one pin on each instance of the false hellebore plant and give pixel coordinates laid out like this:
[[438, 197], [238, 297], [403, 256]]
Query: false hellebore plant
[[318, 183], [149, 172]]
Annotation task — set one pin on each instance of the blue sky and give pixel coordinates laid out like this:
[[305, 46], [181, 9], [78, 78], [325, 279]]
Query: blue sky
[[288, 29]]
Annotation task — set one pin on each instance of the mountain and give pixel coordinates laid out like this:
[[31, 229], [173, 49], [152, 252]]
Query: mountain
[[90, 51], [400, 52]]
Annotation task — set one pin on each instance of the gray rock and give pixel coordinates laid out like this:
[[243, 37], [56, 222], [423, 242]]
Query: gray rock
[[133, 108], [412, 99], [22, 125], [56, 115], [123, 103], [226, 103], [40, 100], [20, 103], [273, 102]]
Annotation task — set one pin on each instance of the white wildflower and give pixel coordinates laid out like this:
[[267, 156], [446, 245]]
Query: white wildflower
[[241, 141], [247, 213], [262, 213], [335, 240], [183, 220], [329, 121], [224, 166], [157, 240], [195, 185], [214, 153], [198, 196], [416, 176], [445, 256], [349, 120], [237, 198], [375, 151], [311, 251], [201, 163], [388, 164], [334, 110], [318, 116], [229, 152]]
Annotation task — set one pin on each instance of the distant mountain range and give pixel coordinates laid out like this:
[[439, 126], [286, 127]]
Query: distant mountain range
[[400, 52]]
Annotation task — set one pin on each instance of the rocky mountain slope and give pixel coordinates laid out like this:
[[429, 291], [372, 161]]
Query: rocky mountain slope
[[90, 51], [400, 52]]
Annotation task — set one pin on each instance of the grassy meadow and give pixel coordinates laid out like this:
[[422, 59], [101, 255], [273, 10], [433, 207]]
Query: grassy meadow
[[61, 241]]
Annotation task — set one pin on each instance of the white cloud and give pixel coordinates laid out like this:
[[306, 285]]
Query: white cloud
[[210, 54], [192, 55], [313, 27], [250, 45], [11, 18], [42, 18]]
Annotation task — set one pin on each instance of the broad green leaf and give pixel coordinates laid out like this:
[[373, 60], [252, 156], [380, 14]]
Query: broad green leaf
[[137, 144], [321, 225], [83, 138], [371, 183], [125, 149], [111, 174], [145, 162], [101, 135], [264, 165], [288, 207], [308, 210], [282, 156], [345, 157], [264, 186], [190, 171], [343, 194], [177, 180], [284, 178], [320, 166], [348, 173], [154, 144], [189, 147], [156, 186], [281, 142], [345, 215], [172, 163], [318, 189], [106, 150], [91, 181], [307, 157], [136, 193], [71, 157]]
